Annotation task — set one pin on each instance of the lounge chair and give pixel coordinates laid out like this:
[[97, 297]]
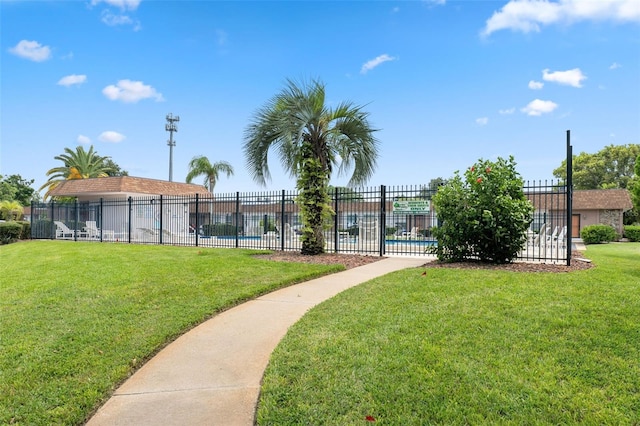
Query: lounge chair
[[93, 231], [64, 233], [561, 240]]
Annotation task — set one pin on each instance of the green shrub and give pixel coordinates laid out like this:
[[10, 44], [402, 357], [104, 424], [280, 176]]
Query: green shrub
[[597, 234], [26, 230], [483, 216], [632, 233], [10, 232]]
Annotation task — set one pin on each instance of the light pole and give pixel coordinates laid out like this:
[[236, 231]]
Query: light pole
[[171, 127]]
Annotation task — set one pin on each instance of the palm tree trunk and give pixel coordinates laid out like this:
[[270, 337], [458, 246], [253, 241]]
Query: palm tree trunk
[[314, 205]]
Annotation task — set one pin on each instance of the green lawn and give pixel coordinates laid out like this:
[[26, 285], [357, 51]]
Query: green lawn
[[467, 347], [76, 318]]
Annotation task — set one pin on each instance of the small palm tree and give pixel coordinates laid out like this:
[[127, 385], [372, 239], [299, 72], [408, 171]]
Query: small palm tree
[[201, 166], [311, 139], [11, 210], [78, 164]]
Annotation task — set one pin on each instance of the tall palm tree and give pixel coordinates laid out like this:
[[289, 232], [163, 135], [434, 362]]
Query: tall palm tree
[[201, 166], [311, 139], [78, 164]]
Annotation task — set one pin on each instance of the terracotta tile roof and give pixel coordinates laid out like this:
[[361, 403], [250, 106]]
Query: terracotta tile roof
[[124, 185], [602, 199]]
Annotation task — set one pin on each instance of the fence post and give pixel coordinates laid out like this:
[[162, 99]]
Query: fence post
[[382, 231], [76, 219], [281, 230], [336, 233], [129, 200], [101, 221], [31, 221], [196, 231], [52, 225], [569, 195], [237, 217]]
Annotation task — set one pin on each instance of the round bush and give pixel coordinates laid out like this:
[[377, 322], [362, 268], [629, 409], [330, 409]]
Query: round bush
[[632, 233], [483, 216], [598, 234]]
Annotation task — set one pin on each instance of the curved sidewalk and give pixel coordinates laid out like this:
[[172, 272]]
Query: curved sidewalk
[[211, 375]]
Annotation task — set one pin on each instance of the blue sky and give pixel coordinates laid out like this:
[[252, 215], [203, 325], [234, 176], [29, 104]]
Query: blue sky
[[446, 82]]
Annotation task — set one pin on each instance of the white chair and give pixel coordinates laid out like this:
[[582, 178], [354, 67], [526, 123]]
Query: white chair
[[561, 240], [93, 231], [414, 233], [63, 232]]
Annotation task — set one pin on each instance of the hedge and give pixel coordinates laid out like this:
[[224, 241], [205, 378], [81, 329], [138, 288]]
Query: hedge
[[597, 234], [632, 232]]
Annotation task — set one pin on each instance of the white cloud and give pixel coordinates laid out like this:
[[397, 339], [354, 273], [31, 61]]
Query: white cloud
[[111, 137], [507, 111], [112, 20], [131, 92], [615, 66], [31, 50], [529, 15], [122, 4], [369, 65], [82, 139], [482, 121], [72, 79], [535, 85], [538, 107], [572, 77]]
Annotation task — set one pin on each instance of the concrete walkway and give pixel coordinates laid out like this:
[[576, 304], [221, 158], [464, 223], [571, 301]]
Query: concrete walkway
[[212, 374]]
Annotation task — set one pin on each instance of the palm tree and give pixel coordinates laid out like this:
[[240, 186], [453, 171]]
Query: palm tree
[[201, 165], [11, 210], [311, 139], [78, 164]]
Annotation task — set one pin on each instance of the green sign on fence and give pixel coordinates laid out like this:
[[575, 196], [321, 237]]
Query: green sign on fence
[[412, 207]]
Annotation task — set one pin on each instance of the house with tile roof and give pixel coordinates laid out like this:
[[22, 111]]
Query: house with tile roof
[[143, 202], [122, 187]]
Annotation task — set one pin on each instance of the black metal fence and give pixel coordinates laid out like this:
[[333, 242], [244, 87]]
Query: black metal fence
[[377, 221]]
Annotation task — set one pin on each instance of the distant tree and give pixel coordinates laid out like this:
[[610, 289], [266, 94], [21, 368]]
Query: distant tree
[[431, 188], [78, 164], [7, 191], [201, 166], [115, 170], [16, 188], [311, 139], [611, 167]]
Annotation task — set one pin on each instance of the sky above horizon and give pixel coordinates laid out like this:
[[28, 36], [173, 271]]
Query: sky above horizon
[[445, 82]]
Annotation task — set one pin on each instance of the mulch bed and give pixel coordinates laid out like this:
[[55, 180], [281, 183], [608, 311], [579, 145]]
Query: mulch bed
[[578, 262]]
